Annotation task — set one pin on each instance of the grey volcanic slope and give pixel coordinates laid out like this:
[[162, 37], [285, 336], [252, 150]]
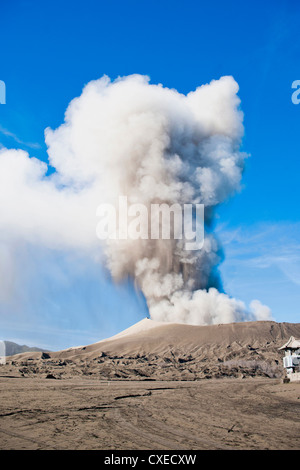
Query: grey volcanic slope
[[169, 351]]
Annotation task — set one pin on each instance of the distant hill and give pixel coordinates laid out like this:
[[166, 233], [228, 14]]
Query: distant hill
[[12, 348]]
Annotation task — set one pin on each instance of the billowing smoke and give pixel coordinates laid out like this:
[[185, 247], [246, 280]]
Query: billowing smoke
[[153, 145]]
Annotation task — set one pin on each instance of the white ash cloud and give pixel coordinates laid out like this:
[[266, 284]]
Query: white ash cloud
[[153, 145]]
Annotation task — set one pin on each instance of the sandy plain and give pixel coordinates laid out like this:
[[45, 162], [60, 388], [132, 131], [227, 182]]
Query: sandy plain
[[167, 387], [86, 414]]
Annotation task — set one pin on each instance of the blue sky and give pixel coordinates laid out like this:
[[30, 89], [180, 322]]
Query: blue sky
[[50, 50]]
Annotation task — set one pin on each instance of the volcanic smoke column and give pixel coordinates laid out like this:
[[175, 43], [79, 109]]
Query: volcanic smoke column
[[155, 145]]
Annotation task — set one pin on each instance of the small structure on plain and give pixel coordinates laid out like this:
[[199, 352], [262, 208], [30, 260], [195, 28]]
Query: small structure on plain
[[291, 360]]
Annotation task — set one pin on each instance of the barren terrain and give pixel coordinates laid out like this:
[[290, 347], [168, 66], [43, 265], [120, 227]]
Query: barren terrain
[[155, 386], [212, 414], [167, 351]]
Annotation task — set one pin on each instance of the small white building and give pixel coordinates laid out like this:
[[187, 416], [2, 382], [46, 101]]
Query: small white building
[[291, 360]]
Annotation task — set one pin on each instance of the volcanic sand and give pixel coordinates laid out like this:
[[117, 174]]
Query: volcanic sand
[[155, 387], [161, 351], [207, 414]]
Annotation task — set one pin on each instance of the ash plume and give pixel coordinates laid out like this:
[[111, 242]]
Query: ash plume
[[153, 145]]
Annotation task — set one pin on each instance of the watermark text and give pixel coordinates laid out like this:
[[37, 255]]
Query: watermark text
[[155, 221], [2, 92], [296, 94]]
